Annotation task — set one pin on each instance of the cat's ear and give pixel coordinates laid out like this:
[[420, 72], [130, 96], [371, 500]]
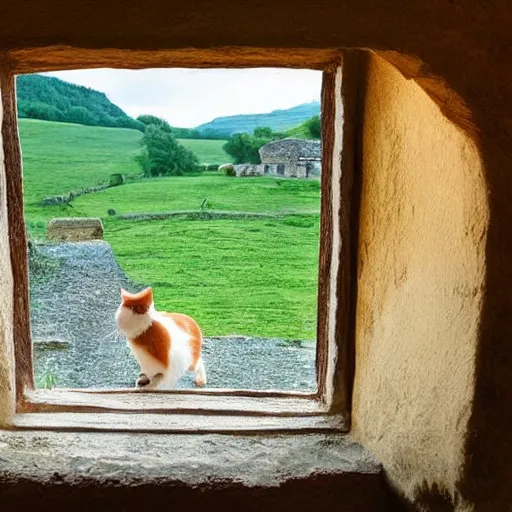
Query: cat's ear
[[148, 292], [124, 293]]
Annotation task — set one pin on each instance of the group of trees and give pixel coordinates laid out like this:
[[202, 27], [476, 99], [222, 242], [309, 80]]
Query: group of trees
[[51, 99], [162, 154], [244, 147]]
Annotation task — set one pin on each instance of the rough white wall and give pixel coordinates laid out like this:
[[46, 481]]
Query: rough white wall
[[421, 279], [7, 398]]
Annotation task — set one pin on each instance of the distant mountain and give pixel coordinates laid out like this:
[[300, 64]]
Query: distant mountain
[[278, 120], [52, 99]]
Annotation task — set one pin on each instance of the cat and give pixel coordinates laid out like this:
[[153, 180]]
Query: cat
[[166, 345]]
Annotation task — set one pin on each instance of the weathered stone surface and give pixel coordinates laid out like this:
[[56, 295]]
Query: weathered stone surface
[[99, 471], [249, 170], [67, 198], [292, 158], [75, 229]]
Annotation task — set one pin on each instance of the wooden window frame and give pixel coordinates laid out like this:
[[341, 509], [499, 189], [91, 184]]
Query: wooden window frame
[[209, 410]]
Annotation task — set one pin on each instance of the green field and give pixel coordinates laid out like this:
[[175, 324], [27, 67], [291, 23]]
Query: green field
[[208, 151], [223, 193], [244, 276], [60, 157], [252, 277]]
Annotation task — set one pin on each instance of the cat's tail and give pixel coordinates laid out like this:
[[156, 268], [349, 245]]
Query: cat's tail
[[200, 373]]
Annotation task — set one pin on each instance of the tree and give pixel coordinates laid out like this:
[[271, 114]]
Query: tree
[[163, 155], [263, 131], [314, 127], [149, 120], [45, 97], [244, 148], [80, 115]]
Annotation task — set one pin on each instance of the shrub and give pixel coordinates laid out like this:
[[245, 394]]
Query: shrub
[[163, 155], [115, 180], [314, 127], [228, 170]]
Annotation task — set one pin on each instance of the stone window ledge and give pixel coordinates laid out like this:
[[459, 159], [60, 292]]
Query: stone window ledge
[[285, 472]]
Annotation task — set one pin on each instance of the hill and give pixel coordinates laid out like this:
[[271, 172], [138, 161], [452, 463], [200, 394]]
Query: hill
[[278, 120], [61, 157], [51, 99], [304, 130]]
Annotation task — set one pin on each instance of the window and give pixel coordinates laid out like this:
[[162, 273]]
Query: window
[[222, 248], [208, 410]]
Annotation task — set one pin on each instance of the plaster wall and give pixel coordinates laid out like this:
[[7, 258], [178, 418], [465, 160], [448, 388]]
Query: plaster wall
[[6, 303], [421, 262]]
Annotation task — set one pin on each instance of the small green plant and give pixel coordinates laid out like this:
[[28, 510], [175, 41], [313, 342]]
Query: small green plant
[[39, 264], [47, 381]]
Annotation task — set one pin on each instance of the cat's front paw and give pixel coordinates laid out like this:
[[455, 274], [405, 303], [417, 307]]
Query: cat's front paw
[[142, 381]]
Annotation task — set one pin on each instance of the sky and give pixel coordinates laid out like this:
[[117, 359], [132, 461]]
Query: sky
[[189, 97]]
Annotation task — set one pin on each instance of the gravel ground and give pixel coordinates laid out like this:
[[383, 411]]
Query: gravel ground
[[73, 329]]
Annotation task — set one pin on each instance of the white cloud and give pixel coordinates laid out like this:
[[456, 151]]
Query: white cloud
[[189, 97]]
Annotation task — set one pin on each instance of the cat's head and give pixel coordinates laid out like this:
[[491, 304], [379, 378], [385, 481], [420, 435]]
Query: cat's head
[[133, 314], [139, 303]]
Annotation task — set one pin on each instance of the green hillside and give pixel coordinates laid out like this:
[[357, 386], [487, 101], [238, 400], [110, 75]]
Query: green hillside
[[61, 157], [302, 131], [51, 99], [278, 120]]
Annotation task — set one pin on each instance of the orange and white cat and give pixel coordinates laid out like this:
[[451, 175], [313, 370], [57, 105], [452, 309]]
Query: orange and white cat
[[166, 345]]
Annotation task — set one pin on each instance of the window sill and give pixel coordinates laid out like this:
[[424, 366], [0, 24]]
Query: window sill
[[176, 413], [270, 472]]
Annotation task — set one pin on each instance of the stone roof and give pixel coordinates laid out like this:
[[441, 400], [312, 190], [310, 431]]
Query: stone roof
[[292, 149]]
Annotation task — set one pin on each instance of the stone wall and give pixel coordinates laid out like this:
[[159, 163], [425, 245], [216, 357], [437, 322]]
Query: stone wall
[[278, 169], [249, 170]]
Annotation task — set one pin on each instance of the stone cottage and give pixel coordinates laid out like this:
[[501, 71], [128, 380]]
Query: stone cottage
[[293, 158]]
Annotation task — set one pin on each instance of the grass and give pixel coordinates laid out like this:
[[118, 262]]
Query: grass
[[61, 157], [208, 151], [256, 277], [47, 380], [222, 193]]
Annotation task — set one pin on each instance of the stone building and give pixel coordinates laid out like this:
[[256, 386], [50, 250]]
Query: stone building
[[292, 158]]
